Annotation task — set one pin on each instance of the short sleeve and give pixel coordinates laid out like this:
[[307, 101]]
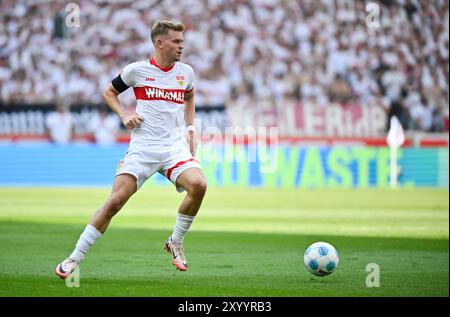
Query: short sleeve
[[190, 81], [128, 75]]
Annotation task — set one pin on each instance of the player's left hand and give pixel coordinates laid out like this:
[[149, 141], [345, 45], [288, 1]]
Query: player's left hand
[[192, 141]]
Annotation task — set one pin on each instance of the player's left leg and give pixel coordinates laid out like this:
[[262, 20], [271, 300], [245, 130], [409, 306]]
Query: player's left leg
[[194, 182]]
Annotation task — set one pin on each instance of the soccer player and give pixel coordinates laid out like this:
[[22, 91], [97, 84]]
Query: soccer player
[[163, 140]]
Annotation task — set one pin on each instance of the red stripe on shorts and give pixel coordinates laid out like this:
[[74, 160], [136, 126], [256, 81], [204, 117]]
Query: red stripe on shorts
[[169, 171]]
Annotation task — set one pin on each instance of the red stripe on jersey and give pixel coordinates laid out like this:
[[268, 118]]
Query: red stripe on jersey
[[154, 93], [169, 171]]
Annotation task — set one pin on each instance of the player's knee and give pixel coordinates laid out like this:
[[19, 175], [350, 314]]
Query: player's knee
[[201, 187], [198, 188]]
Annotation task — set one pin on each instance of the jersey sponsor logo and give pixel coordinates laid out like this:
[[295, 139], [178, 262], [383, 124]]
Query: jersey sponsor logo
[[154, 93]]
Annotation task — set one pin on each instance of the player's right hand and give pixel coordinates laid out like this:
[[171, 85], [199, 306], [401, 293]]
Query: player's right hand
[[132, 121]]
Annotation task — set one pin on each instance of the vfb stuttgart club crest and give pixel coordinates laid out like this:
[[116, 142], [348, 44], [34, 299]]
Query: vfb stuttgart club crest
[[180, 79]]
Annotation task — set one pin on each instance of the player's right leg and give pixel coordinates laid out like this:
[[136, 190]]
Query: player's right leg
[[123, 188]]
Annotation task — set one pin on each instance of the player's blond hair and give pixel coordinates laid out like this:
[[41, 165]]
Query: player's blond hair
[[163, 27]]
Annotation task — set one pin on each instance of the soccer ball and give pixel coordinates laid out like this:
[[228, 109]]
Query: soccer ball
[[321, 258]]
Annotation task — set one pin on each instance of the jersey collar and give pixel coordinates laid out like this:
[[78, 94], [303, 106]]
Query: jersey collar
[[153, 62]]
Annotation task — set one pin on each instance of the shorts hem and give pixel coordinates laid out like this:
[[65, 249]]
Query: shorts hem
[[132, 174], [181, 189]]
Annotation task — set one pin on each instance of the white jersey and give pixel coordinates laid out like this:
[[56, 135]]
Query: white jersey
[[160, 100]]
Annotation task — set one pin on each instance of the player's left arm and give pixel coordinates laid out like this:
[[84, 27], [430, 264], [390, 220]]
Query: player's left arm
[[189, 116]]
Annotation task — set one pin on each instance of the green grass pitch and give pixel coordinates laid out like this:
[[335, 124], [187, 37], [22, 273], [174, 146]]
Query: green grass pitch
[[244, 242]]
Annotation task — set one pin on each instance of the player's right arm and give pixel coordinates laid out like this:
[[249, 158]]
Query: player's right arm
[[125, 80], [129, 120]]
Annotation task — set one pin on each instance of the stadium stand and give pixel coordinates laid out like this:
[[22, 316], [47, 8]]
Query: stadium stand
[[261, 61]]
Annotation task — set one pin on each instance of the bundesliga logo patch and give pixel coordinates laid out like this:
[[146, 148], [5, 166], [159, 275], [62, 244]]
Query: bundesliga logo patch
[[119, 167]]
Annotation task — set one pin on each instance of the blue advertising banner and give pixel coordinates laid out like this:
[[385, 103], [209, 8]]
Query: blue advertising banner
[[236, 166]]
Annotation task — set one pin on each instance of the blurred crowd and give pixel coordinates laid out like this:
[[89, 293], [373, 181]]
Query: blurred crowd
[[253, 53]]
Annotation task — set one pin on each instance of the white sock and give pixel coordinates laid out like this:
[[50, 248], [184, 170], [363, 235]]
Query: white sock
[[182, 225], [87, 239]]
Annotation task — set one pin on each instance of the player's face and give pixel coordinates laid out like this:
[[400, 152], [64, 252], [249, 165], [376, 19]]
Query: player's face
[[172, 45]]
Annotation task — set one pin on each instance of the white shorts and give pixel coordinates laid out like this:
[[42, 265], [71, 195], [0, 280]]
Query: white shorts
[[145, 160]]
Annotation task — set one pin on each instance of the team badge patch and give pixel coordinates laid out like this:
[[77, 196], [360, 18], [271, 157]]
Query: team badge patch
[[180, 79]]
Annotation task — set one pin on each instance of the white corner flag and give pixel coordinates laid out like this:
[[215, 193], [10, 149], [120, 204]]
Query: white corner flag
[[395, 139]]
